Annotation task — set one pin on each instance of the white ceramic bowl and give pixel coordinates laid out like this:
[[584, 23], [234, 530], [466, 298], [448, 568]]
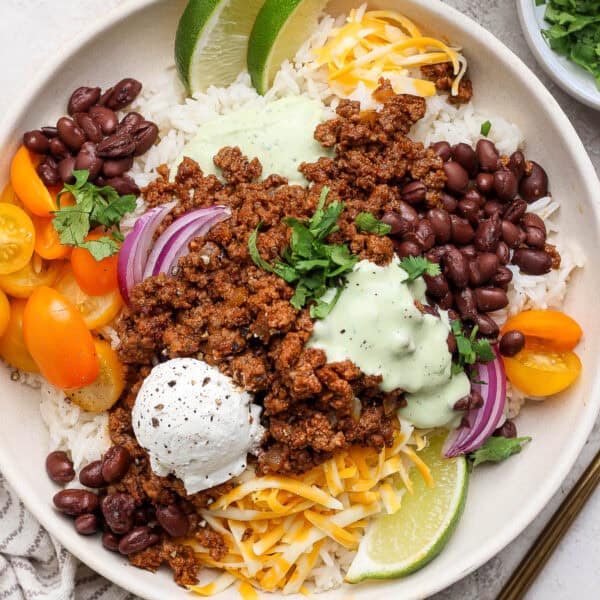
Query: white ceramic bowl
[[572, 78], [137, 41]]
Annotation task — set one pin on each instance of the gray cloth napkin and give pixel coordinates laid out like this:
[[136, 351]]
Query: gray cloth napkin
[[34, 566]]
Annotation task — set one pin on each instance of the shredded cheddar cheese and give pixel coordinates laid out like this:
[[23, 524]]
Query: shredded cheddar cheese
[[275, 527], [383, 43]]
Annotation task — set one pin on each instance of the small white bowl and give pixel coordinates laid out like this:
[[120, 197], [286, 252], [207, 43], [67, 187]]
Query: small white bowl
[[572, 78], [137, 41]]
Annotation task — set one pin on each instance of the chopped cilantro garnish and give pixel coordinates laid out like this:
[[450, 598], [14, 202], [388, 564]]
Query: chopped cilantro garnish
[[497, 449], [94, 207], [485, 128], [308, 263], [367, 222], [540, 2], [415, 266], [470, 349]]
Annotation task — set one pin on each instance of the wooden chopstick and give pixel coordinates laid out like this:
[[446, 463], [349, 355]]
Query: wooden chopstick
[[545, 544]]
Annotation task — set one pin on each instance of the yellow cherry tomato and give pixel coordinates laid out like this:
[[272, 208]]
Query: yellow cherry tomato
[[12, 343], [47, 241], [4, 313], [9, 197], [37, 272], [17, 238], [551, 328], [105, 391], [96, 311], [542, 372], [59, 341], [28, 186]]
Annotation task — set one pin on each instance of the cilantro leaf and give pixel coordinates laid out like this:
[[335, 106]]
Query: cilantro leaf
[[485, 128], [367, 222], [416, 266], [497, 449], [94, 207], [257, 259], [470, 349]]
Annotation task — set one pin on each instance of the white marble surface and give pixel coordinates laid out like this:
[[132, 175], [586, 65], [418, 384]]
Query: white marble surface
[[31, 30]]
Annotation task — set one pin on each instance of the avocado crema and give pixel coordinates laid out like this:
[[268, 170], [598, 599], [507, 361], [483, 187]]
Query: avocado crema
[[377, 326]]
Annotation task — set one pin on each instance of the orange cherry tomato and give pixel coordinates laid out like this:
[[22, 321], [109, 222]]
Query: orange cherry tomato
[[28, 186], [59, 341], [4, 313], [94, 277], [550, 328], [542, 372], [47, 242], [12, 344], [8, 195], [17, 238], [96, 311], [37, 272], [110, 383]]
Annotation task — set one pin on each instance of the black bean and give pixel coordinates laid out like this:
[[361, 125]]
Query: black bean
[[442, 149], [457, 178], [512, 234], [144, 136], [474, 274], [124, 185], [488, 156], [471, 402], [464, 155], [59, 467], [409, 214], [532, 262], [502, 277], [90, 127], [107, 119], [36, 141], [536, 238], [435, 254], [462, 232], [440, 222], [115, 463], [488, 234], [456, 267], [487, 263], [110, 541], [118, 510], [48, 173], [505, 185], [86, 524], [470, 210], [448, 202], [508, 430], [516, 164], [474, 195], [91, 475], [503, 253], [75, 502], [425, 234], [50, 132], [466, 303], [515, 210], [487, 326], [65, 169], [105, 96], [451, 343], [491, 208], [533, 220], [88, 160], [469, 251], [489, 299], [173, 520], [123, 93], [484, 183], [137, 539], [446, 302], [130, 122], [82, 99], [535, 185], [414, 192], [116, 146], [437, 286], [511, 343], [399, 226], [404, 249], [117, 167], [70, 133], [58, 149]]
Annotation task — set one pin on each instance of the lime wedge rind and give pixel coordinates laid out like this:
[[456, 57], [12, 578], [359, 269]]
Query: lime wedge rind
[[365, 567]]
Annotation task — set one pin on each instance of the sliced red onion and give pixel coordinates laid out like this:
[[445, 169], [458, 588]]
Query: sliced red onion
[[173, 242], [482, 421], [134, 251]]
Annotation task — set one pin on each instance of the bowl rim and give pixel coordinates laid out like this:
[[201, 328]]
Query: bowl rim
[[523, 76], [548, 60]]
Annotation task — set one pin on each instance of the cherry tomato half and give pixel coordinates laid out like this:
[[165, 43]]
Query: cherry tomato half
[[4, 313], [59, 341], [105, 391], [12, 344], [542, 372], [550, 328], [28, 186], [95, 277], [17, 238], [37, 272], [47, 241]]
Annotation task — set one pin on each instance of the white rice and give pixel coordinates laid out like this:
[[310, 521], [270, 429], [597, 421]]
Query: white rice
[[85, 435]]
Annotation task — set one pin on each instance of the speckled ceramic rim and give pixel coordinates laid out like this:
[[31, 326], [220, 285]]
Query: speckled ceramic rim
[[466, 564], [549, 61]]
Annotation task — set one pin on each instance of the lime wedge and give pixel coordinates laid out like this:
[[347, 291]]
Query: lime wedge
[[212, 41], [281, 27], [399, 544]]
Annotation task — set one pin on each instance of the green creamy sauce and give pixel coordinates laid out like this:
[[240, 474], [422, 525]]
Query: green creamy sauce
[[279, 134], [377, 326]]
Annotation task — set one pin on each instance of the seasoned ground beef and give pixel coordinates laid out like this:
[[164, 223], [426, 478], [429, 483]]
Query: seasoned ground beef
[[443, 76]]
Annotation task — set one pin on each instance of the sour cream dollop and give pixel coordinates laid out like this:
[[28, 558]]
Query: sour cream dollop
[[196, 423]]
